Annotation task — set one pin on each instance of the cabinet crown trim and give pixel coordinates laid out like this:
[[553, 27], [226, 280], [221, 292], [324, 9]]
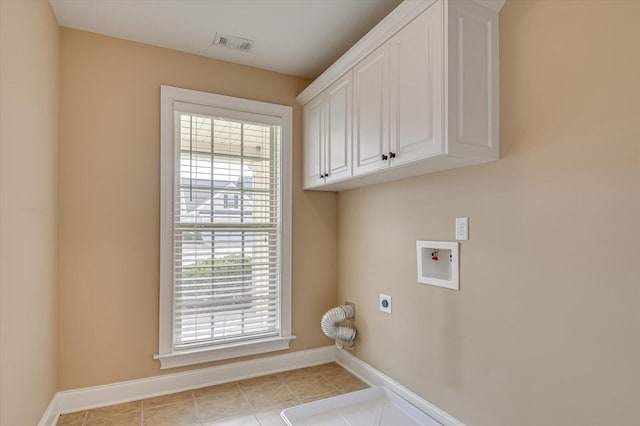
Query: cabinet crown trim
[[391, 24]]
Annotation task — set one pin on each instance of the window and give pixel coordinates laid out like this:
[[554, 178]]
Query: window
[[225, 227], [231, 201]]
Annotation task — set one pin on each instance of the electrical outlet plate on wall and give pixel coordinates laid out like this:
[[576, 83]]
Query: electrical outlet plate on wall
[[462, 228], [385, 303]]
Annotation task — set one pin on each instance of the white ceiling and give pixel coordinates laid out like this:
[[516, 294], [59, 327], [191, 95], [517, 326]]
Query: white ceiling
[[296, 37]]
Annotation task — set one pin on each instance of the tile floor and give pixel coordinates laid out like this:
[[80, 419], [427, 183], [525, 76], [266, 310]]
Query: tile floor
[[251, 402]]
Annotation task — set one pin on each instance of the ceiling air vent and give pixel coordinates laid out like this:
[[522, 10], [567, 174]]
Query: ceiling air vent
[[233, 42]]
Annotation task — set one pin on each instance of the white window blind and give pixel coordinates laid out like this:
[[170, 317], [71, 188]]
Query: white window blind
[[225, 227]]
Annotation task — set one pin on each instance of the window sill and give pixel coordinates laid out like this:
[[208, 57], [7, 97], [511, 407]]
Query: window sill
[[235, 350]]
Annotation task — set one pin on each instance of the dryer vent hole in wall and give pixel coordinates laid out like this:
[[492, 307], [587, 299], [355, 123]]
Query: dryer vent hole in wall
[[343, 334]]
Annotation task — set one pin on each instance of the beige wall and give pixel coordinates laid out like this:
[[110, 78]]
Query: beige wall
[[109, 203], [546, 326], [28, 169]]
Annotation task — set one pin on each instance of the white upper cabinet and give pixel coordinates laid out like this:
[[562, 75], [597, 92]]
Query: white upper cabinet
[[417, 88], [328, 134], [371, 112], [338, 144], [314, 132], [418, 94], [473, 89]]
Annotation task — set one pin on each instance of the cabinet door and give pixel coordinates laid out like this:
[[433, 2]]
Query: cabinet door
[[314, 133], [417, 88], [473, 90], [337, 153], [371, 112]]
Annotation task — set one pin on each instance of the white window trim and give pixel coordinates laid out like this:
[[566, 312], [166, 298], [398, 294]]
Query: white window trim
[[168, 358]]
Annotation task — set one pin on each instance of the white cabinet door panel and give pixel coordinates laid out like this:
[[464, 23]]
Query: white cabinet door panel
[[473, 98], [417, 88], [338, 144], [314, 123], [371, 113]]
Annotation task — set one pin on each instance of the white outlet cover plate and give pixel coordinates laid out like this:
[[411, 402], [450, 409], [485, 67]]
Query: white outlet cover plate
[[462, 228], [388, 299]]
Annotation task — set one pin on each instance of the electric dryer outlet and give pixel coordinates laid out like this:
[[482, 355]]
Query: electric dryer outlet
[[385, 303]]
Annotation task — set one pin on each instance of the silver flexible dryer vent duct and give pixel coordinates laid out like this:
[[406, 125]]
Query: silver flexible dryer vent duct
[[341, 333]]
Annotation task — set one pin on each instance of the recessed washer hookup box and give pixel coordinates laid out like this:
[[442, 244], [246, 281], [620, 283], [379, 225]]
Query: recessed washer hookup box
[[438, 263]]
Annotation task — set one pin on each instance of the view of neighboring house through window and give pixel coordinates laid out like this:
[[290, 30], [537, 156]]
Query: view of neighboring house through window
[[226, 228]]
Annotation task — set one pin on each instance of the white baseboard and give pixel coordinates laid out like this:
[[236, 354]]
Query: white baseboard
[[375, 378], [51, 414], [117, 393]]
